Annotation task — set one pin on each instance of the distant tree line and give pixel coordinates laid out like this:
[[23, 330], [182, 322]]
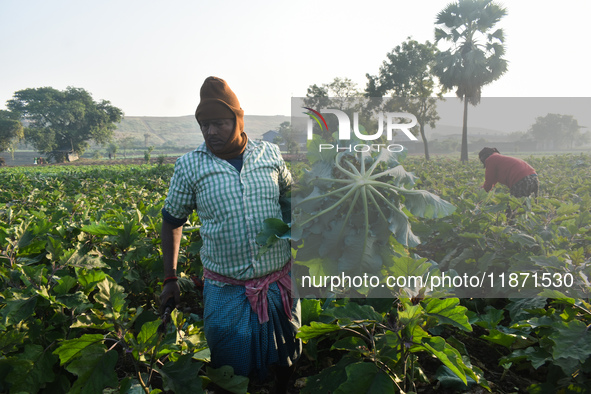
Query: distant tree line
[[57, 123], [556, 131]]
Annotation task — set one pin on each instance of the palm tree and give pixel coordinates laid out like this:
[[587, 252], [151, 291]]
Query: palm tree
[[475, 57]]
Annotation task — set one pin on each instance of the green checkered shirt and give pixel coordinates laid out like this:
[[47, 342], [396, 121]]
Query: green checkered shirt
[[232, 206]]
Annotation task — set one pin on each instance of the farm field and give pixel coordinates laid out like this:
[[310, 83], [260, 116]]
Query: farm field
[[80, 275]]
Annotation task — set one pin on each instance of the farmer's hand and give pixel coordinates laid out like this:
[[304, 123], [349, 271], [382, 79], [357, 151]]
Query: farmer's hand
[[170, 290]]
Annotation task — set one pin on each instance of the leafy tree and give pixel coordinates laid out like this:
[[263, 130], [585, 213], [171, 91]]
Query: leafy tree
[[563, 130], [112, 149], [11, 129], [58, 122], [339, 88], [343, 87], [408, 73], [126, 143], [337, 94], [148, 154], [475, 58], [287, 137]]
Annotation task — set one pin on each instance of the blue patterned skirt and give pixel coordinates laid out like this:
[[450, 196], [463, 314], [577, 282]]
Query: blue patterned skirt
[[236, 338]]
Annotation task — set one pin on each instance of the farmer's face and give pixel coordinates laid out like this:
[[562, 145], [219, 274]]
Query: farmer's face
[[217, 132]]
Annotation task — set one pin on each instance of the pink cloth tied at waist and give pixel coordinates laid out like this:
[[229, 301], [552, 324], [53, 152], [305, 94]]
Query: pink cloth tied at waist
[[256, 289]]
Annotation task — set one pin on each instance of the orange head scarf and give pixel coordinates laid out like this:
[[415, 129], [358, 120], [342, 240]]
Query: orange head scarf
[[218, 101]]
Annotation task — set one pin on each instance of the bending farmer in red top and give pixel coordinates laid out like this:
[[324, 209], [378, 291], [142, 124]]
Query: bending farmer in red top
[[512, 172]]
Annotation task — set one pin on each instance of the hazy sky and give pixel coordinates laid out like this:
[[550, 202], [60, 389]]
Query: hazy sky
[[150, 58]]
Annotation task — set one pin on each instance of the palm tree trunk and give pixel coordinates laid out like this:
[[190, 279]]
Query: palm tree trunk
[[464, 149], [426, 145]]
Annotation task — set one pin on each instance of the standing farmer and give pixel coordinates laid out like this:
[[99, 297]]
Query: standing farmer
[[512, 172], [234, 184]]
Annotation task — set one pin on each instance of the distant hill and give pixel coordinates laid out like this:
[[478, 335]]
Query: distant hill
[[183, 131]]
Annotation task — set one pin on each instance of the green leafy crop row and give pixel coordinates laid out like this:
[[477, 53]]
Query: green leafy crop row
[[80, 273], [490, 235], [79, 279]]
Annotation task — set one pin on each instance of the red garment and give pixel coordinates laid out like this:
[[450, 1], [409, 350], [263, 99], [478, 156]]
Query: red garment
[[505, 170]]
